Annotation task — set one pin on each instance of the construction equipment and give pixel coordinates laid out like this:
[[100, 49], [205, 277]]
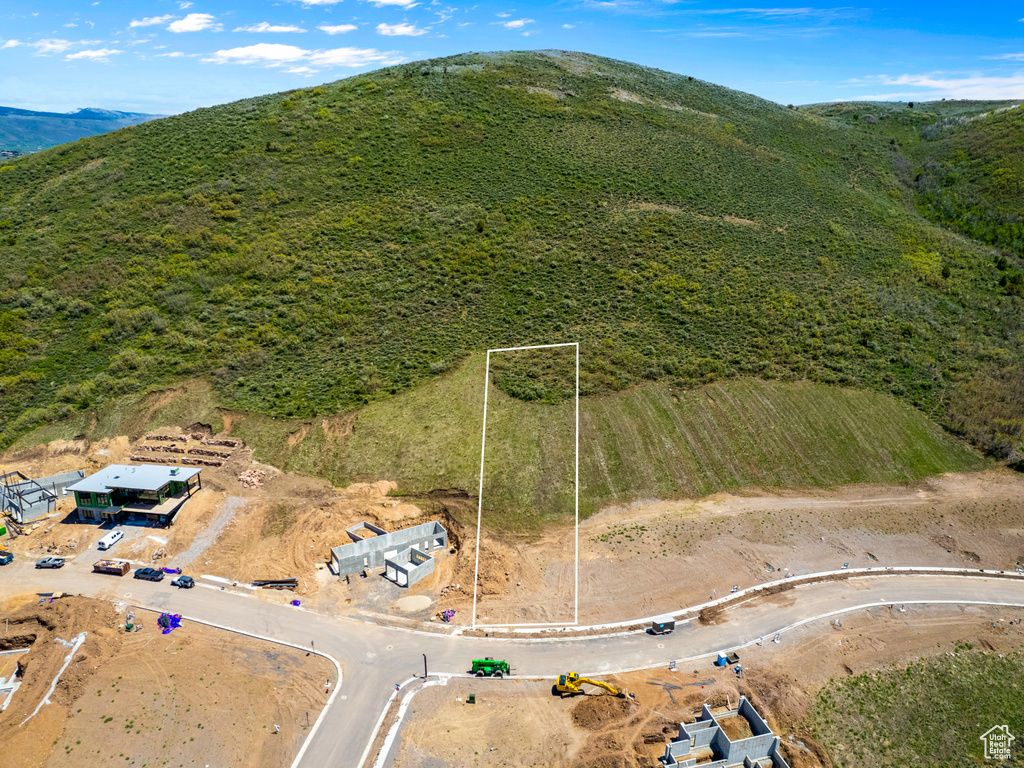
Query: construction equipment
[[491, 667], [571, 683]]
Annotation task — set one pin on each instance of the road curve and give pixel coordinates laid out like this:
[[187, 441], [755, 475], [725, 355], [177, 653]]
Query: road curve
[[374, 658]]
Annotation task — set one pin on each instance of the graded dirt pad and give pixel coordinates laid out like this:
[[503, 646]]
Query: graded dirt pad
[[196, 696], [527, 725], [652, 557]]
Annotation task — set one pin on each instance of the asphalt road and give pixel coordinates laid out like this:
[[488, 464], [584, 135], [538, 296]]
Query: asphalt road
[[374, 658]]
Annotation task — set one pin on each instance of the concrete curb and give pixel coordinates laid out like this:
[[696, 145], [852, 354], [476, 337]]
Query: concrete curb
[[811, 619], [750, 592], [389, 740]]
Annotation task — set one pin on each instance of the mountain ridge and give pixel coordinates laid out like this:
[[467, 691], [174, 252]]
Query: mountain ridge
[[30, 130]]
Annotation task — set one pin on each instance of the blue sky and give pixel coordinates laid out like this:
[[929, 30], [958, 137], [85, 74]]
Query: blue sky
[[169, 56]]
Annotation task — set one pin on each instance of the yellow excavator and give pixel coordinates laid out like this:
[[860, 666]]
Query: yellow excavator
[[571, 683]]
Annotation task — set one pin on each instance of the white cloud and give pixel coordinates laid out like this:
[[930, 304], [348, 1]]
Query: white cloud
[[277, 55], [150, 21], [272, 54], [516, 24], [170, 55], [942, 85], [758, 11], [301, 71], [402, 3], [183, 6], [568, 26], [319, 2], [503, 15], [355, 57], [399, 30], [69, 25], [264, 26], [51, 46], [1007, 56], [336, 29], [10, 44], [195, 22], [99, 54]]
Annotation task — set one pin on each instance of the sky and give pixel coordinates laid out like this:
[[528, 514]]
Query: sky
[[172, 56]]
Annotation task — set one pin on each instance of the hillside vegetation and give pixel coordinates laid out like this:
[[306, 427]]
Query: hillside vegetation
[[901, 717], [320, 250], [963, 165], [648, 442]]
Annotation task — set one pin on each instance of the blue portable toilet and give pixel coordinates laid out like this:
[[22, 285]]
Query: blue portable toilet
[[721, 661]]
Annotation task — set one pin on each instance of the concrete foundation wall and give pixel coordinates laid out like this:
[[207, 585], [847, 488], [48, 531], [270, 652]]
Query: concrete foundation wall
[[409, 567], [706, 733], [373, 552], [28, 499]]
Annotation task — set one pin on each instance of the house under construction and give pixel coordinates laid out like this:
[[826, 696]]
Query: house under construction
[[26, 499], [404, 554], [736, 738]]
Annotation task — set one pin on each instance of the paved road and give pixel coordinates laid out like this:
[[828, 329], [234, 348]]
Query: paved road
[[374, 657]]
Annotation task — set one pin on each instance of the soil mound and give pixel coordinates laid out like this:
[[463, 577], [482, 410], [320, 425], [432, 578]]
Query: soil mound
[[597, 712]]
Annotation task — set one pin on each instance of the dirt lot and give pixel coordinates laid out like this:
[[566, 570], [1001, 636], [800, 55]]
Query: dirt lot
[[627, 553], [205, 696], [287, 525], [519, 723]]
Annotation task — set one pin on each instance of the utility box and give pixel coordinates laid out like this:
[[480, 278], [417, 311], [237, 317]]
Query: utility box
[[663, 627]]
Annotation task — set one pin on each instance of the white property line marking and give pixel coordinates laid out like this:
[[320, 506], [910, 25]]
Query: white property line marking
[[74, 644], [576, 489]]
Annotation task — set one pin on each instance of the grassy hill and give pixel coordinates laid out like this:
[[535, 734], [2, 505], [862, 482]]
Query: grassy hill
[[651, 441], [24, 130], [320, 250]]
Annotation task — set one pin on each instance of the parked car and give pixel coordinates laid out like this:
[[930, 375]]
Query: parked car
[[185, 582], [149, 574], [50, 562], [6, 557]]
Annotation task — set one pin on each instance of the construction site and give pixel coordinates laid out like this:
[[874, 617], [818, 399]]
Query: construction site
[[253, 522], [365, 553]]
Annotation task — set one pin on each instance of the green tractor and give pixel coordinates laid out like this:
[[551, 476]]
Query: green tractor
[[491, 667]]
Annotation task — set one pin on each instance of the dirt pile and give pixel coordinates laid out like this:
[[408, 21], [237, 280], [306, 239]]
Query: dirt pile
[[595, 713]]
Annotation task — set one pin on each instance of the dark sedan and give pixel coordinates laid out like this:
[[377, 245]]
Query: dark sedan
[[149, 574]]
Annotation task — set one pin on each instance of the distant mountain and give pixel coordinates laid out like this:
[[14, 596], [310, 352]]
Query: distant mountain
[[23, 130]]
